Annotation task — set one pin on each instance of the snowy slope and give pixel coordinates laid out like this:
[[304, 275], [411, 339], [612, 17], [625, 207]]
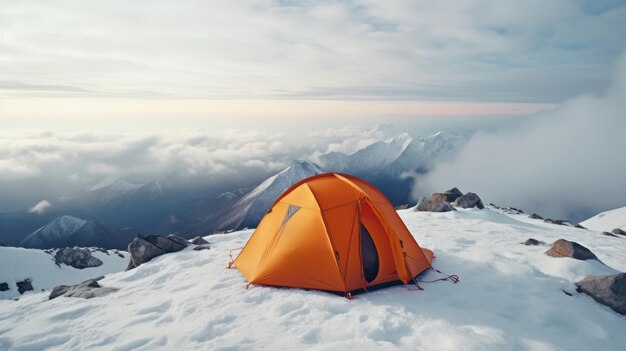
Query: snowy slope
[[510, 298], [607, 221], [248, 211], [17, 264]]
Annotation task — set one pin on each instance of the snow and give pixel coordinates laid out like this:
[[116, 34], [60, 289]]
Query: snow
[[59, 229], [17, 264], [510, 297], [607, 221]]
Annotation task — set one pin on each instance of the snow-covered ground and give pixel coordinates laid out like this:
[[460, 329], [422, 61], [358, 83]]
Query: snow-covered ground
[[17, 264], [607, 221], [511, 297]]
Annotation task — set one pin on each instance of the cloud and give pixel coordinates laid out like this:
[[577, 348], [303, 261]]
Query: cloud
[[35, 165], [569, 163], [478, 50], [41, 207]]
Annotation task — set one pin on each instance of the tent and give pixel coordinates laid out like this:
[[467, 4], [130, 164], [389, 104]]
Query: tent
[[332, 232]]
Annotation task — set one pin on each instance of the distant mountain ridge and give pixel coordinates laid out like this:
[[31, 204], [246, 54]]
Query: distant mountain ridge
[[68, 231]]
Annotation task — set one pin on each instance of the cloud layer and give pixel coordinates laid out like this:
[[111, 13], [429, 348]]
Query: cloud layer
[[568, 163]]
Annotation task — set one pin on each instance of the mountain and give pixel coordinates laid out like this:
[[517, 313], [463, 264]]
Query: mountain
[[248, 211], [607, 221], [18, 264], [394, 156], [68, 231], [510, 297]]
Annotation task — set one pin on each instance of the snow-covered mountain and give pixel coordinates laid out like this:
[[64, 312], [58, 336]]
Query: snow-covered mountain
[[608, 220], [18, 264], [68, 231], [394, 156], [510, 297], [248, 211]]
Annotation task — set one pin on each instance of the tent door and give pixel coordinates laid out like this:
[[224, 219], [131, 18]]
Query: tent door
[[369, 256]]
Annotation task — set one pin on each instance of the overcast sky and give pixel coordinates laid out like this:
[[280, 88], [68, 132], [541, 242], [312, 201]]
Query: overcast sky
[[76, 63]]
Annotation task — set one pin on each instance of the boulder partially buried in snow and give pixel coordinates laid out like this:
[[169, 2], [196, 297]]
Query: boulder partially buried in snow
[[425, 204], [199, 241], [609, 290], [146, 247], [565, 248], [76, 257], [86, 290], [469, 200], [4, 286], [24, 285], [531, 242], [618, 231]]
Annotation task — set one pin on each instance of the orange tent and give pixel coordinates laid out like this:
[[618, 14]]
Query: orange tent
[[332, 232]]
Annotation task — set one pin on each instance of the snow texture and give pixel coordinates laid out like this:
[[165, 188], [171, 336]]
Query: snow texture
[[607, 221], [510, 297], [17, 264]]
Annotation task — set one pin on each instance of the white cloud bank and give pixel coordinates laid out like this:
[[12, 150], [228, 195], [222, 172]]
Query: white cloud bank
[[561, 164], [41, 207]]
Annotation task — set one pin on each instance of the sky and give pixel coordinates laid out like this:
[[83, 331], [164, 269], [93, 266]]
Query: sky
[[116, 64], [234, 90]]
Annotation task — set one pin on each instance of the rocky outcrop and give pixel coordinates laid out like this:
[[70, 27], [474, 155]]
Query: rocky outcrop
[[86, 290], [24, 285], [425, 204], [610, 234], [579, 226], [618, 231], [531, 242], [469, 200], [535, 216], [76, 257], [564, 248], [557, 221], [4, 286], [609, 290], [199, 241], [146, 247]]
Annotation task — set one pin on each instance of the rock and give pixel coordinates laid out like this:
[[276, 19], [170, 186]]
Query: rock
[[516, 210], [609, 290], [199, 241], [556, 221], [146, 247], [4, 286], [453, 194], [532, 241], [564, 248], [402, 207], [86, 290], [469, 200], [618, 231], [610, 234], [24, 285], [433, 206], [535, 216], [423, 204], [76, 257], [439, 197], [2, 243], [202, 247], [579, 226]]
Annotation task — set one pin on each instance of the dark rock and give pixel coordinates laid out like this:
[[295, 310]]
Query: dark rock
[[557, 221], [433, 206], [609, 290], [579, 226], [24, 285], [610, 234], [202, 247], [146, 247], [564, 248], [532, 241], [567, 293], [199, 241], [86, 290], [4, 286], [535, 216], [453, 194], [516, 210], [469, 200], [76, 257], [2, 243], [618, 231]]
